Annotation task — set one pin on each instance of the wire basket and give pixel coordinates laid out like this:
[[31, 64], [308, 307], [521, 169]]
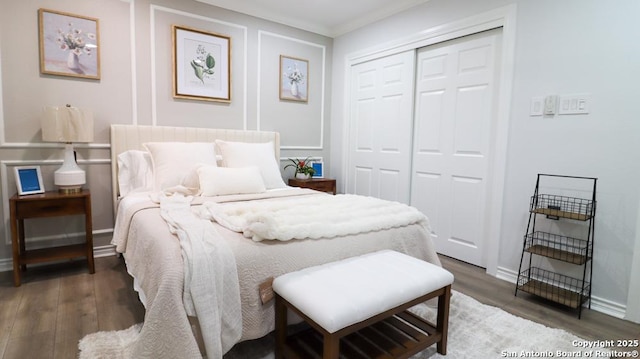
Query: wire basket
[[556, 287], [562, 207], [567, 249]]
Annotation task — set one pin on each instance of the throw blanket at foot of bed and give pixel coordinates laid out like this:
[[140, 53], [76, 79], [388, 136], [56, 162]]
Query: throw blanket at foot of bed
[[321, 216], [211, 288]]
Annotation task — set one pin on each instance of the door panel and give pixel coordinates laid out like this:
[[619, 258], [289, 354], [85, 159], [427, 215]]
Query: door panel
[[362, 180], [455, 89], [381, 124], [420, 133], [364, 125], [429, 185]]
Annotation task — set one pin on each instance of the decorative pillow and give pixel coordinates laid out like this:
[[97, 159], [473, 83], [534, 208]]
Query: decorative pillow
[[218, 181], [191, 179], [172, 161], [245, 154], [135, 172]]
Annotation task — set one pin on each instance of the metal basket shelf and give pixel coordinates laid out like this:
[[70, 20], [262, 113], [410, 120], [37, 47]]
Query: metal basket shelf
[[553, 286], [566, 249], [562, 207]]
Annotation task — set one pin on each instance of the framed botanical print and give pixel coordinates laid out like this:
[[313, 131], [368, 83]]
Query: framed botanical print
[[294, 79], [201, 65], [69, 44]]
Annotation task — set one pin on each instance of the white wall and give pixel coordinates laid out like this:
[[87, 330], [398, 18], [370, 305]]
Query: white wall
[[572, 46]]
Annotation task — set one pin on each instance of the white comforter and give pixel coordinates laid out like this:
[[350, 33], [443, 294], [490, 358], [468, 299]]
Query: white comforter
[[154, 259]]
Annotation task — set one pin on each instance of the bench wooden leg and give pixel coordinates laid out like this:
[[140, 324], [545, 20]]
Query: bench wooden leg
[[281, 327], [442, 324], [331, 347]]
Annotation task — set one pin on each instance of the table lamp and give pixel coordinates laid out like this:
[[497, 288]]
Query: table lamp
[[68, 124]]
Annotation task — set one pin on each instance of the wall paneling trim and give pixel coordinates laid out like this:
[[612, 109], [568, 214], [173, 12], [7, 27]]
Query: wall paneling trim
[[156, 11], [274, 114]]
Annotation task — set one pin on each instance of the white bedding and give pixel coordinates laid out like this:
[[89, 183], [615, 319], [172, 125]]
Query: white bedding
[[312, 216], [154, 259], [211, 289]]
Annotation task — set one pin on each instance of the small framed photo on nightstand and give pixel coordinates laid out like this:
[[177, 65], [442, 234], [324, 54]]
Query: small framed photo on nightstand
[[318, 168], [29, 180]]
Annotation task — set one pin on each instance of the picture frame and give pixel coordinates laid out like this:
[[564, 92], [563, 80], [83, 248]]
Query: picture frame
[[201, 65], [294, 79], [318, 167], [28, 180], [69, 44]]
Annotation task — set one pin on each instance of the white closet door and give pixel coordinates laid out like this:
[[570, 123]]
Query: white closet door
[[381, 126], [454, 123]]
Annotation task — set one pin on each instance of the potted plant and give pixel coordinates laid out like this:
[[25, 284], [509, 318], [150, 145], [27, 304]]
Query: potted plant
[[303, 168]]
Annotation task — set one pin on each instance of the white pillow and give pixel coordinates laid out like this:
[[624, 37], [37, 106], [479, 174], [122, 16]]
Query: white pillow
[[190, 179], [218, 181], [245, 154], [135, 172], [172, 161]]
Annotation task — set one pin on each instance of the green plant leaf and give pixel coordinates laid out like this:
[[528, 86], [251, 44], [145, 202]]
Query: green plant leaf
[[296, 164], [211, 62]]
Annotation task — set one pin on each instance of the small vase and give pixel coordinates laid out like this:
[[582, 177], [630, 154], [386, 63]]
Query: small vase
[[73, 61], [294, 89], [303, 176]]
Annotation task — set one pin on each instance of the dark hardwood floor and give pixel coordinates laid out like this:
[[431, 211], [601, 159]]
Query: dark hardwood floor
[[57, 305]]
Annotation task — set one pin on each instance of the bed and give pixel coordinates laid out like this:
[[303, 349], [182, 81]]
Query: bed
[[157, 220]]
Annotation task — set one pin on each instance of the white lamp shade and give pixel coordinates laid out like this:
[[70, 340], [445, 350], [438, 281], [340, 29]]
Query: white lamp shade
[[67, 124]]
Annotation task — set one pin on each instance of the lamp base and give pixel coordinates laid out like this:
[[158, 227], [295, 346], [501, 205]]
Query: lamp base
[[69, 182], [69, 178], [69, 190]]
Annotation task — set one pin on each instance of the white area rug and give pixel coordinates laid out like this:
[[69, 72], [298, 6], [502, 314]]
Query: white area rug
[[476, 331]]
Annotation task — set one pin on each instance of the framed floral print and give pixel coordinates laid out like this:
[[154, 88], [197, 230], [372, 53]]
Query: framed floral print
[[69, 44], [201, 65], [294, 79]]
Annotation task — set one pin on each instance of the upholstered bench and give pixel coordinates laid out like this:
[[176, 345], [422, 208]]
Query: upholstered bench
[[359, 306]]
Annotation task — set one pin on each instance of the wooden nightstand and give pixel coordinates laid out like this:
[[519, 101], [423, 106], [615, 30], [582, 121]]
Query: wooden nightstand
[[48, 204], [319, 184]]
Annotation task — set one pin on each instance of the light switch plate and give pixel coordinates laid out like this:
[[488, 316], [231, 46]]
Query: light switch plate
[[536, 106]]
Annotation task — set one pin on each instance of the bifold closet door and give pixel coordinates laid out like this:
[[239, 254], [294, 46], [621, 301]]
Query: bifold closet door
[[381, 116], [455, 119]]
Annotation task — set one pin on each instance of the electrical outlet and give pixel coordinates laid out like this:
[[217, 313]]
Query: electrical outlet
[[574, 104]]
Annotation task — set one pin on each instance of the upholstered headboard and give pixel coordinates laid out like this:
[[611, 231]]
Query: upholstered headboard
[[131, 137]]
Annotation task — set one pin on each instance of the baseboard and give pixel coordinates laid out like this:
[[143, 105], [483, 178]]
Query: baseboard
[[507, 274], [608, 307], [6, 264], [598, 304], [104, 251]]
